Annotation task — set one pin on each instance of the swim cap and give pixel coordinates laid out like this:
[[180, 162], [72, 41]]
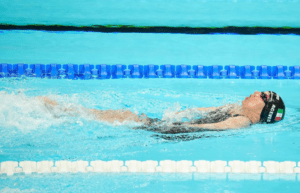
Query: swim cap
[[274, 109]]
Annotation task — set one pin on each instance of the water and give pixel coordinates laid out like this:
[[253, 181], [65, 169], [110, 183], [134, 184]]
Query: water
[[140, 183], [194, 13], [135, 48], [30, 132]]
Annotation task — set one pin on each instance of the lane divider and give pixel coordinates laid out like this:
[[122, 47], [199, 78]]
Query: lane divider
[[150, 166], [104, 71]]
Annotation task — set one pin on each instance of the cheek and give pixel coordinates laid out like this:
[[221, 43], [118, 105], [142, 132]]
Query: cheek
[[253, 104]]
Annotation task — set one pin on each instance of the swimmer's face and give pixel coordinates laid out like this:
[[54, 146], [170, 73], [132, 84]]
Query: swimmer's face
[[254, 104], [254, 101]]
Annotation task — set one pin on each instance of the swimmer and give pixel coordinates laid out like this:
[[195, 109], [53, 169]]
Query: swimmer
[[260, 107]]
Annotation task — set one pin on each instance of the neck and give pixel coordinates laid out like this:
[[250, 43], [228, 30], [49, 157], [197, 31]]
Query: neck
[[253, 117]]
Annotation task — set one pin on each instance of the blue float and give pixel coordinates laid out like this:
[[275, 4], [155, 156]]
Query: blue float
[[117, 71], [53, 71], [94, 71], [265, 72], [278, 72], [295, 72], [85, 71], [37, 70], [45, 70], [104, 71], [3, 70], [70, 71], [233, 72], [28, 70], [61, 71], [150, 71], [246, 72], [159, 73], [200, 71], [168, 71], [214, 71], [12, 70], [136, 71], [182, 71], [21, 71]]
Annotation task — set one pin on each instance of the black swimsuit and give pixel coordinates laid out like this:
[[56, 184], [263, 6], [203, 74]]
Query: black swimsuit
[[156, 125]]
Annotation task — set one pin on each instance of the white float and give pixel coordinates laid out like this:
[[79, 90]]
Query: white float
[[9, 168], [79, 166], [63, 166], [184, 166], [149, 166], [44, 166], [202, 165], [272, 166], [28, 167], [253, 167], [114, 166], [98, 166], [218, 166], [287, 167], [134, 166], [168, 166], [237, 166]]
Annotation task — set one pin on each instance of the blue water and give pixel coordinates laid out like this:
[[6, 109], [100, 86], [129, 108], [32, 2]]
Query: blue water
[[194, 13], [29, 132], [135, 48], [140, 183]]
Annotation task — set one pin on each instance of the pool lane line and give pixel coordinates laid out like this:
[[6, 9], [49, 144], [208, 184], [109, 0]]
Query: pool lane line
[[157, 29], [218, 167]]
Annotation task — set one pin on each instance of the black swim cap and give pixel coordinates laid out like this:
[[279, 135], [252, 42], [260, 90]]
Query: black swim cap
[[274, 109]]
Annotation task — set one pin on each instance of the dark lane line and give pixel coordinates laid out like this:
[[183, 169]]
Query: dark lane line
[[157, 29]]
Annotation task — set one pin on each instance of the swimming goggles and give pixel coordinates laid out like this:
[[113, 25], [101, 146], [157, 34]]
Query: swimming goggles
[[264, 97]]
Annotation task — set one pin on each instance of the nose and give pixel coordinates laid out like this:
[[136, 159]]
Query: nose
[[256, 93]]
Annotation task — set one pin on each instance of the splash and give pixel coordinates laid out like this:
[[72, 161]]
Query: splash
[[30, 113]]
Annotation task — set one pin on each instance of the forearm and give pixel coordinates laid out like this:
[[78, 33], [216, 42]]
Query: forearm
[[114, 115]]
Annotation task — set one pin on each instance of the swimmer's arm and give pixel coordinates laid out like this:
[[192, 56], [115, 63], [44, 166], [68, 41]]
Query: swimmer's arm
[[231, 123], [201, 109]]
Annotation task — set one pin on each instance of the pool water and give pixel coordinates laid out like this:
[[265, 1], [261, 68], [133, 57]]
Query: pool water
[[139, 183], [194, 13], [29, 132]]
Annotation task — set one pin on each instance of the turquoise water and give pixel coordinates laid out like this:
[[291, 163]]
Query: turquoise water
[[194, 13], [141, 183], [29, 132], [134, 48]]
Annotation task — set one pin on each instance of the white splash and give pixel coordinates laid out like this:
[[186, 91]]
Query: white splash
[[28, 113]]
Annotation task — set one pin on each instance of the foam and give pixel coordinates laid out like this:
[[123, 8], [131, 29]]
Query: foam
[[17, 110]]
